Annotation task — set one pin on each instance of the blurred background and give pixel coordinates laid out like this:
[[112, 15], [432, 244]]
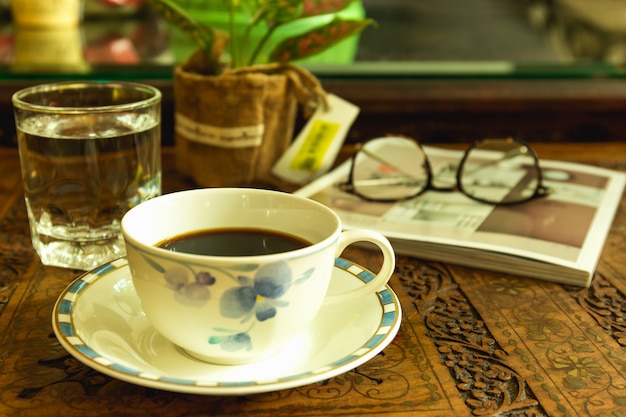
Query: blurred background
[[479, 37], [438, 70]]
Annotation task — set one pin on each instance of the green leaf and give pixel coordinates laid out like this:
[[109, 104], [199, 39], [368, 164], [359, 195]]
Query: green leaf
[[278, 12], [318, 7], [154, 264], [216, 340], [318, 39], [306, 275], [204, 37], [224, 330], [244, 267]]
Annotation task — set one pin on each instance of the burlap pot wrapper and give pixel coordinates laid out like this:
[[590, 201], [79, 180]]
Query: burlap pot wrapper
[[232, 128]]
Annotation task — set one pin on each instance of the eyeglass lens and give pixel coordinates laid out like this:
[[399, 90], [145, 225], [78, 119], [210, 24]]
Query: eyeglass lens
[[390, 169], [501, 171]]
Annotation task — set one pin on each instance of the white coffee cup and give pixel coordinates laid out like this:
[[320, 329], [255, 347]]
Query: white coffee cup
[[239, 309]]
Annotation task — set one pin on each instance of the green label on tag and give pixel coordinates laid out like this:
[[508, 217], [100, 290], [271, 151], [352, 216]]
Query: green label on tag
[[315, 146]]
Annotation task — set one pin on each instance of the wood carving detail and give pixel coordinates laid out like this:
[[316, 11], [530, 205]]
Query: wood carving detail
[[16, 250], [371, 382], [476, 361], [606, 304]]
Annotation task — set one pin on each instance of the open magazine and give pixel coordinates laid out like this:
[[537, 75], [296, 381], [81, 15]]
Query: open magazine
[[558, 237]]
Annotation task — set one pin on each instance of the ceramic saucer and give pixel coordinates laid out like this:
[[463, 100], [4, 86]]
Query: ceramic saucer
[[98, 319]]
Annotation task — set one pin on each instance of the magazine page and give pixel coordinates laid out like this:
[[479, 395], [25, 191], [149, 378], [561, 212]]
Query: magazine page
[[568, 227]]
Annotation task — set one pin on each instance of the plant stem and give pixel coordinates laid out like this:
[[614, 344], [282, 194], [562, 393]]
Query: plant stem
[[261, 44], [253, 22], [233, 41]]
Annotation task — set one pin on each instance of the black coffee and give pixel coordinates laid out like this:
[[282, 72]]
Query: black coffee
[[233, 242]]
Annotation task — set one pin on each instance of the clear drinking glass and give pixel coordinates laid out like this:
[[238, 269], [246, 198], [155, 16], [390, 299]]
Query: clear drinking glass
[[89, 151]]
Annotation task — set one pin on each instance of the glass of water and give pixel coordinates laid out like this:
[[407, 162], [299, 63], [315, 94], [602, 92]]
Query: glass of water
[[89, 151]]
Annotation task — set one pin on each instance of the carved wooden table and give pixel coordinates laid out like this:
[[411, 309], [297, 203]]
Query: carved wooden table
[[471, 342]]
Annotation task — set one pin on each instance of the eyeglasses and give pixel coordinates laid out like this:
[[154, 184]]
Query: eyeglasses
[[492, 171]]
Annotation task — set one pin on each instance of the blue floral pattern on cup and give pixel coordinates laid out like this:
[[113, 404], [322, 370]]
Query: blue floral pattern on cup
[[177, 278], [256, 297]]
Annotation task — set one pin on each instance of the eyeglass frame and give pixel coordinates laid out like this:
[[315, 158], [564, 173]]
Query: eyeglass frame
[[540, 190]]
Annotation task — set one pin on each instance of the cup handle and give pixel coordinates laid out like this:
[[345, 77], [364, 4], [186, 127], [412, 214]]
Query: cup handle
[[349, 237]]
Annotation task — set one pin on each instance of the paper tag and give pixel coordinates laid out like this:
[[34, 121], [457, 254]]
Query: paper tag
[[223, 137], [314, 150]]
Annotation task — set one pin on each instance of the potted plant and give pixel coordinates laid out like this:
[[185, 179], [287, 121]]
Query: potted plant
[[238, 93]]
